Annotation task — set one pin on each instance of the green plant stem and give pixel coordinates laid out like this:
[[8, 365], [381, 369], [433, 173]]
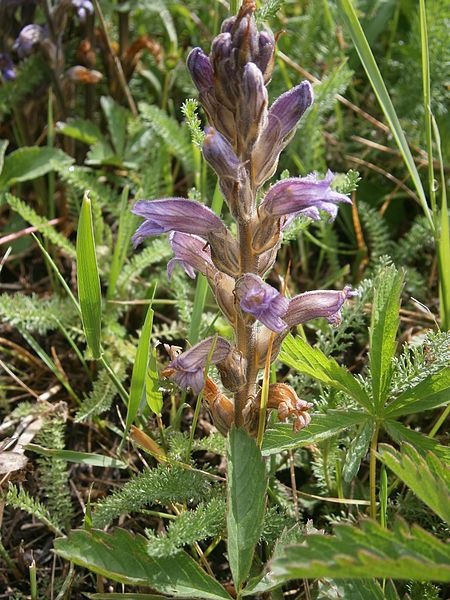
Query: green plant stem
[[373, 472], [234, 6], [441, 420]]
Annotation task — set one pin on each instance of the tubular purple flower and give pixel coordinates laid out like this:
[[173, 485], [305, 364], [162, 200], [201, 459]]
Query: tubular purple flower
[[175, 214], [262, 301], [266, 54], [320, 303], [7, 67], [83, 8], [302, 193], [192, 253], [187, 369], [220, 155], [28, 39], [200, 69], [282, 119], [252, 105]]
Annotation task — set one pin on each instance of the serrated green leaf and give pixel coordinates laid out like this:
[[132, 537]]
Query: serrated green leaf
[[399, 433], [123, 557], [30, 162], [430, 393], [80, 129], [282, 437], [427, 477], [357, 451], [365, 552], [126, 596], [383, 332], [247, 482], [299, 355], [139, 369], [152, 391], [89, 291]]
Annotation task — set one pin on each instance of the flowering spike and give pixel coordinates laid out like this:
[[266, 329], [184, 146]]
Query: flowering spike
[[262, 301]]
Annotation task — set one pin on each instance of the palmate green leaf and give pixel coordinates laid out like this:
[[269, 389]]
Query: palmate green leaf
[[426, 476], [89, 291], [430, 393], [139, 370], [323, 426], [299, 355], [365, 552], [247, 482], [383, 331], [423, 443], [30, 162], [123, 557]]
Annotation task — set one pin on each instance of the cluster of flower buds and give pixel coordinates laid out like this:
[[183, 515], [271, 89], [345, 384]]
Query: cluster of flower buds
[[242, 144]]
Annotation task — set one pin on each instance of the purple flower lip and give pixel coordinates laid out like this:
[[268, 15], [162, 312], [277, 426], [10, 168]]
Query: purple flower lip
[[7, 67], [192, 253], [262, 301], [187, 369], [300, 194], [175, 214]]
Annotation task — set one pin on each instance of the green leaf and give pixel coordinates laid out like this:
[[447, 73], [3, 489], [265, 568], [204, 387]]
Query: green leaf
[[139, 370], [399, 433], [383, 332], [299, 355], [123, 557], [427, 477], [152, 391], [430, 393], [357, 452], [81, 130], [3, 146], [30, 162], [366, 552], [116, 117], [41, 223], [85, 458], [126, 596], [282, 437], [373, 73], [247, 482], [89, 292]]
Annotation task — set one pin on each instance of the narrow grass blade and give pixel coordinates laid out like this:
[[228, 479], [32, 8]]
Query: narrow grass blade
[[86, 458], [152, 391], [89, 291], [379, 87], [139, 370]]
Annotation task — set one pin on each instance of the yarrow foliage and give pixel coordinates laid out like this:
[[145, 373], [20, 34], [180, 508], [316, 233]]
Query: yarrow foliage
[[242, 144]]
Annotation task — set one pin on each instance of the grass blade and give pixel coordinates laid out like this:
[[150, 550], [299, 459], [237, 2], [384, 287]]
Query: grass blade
[[89, 292], [379, 87]]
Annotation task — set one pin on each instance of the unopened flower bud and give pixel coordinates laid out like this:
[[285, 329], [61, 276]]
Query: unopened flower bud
[[220, 406]]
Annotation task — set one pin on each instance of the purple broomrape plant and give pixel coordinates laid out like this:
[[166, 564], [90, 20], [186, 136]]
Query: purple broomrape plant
[[242, 144]]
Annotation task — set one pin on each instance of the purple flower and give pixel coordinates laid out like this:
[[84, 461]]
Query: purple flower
[[201, 70], [320, 303], [262, 301], [175, 214], [187, 369], [28, 39], [300, 194], [282, 119], [83, 8], [220, 155], [7, 67], [192, 253]]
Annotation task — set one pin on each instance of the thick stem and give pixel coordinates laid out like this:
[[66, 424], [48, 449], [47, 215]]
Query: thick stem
[[245, 331]]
